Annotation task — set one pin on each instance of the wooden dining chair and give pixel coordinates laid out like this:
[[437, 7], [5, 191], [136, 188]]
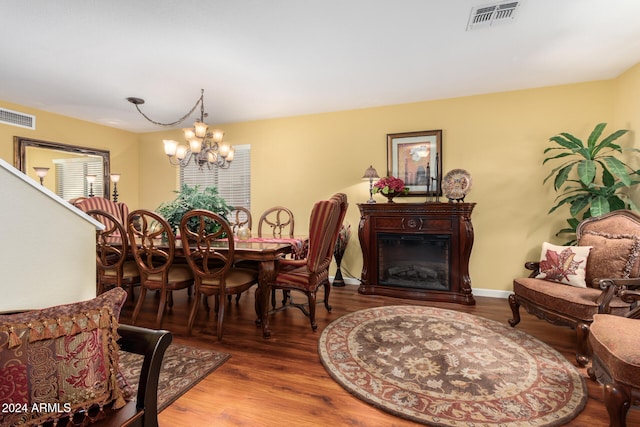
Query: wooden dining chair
[[114, 268], [212, 268], [276, 221], [153, 245], [310, 274], [239, 217]]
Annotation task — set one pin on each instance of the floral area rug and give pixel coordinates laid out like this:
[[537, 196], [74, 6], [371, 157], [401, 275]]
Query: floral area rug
[[182, 368], [447, 368]]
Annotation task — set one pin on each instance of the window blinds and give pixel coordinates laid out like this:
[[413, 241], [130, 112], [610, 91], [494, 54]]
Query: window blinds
[[233, 184]]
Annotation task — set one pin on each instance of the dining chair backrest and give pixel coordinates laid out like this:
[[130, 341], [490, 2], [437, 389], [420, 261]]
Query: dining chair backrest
[[117, 209], [111, 243], [199, 246], [341, 199], [323, 224], [152, 242], [275, 222], [239, 217]]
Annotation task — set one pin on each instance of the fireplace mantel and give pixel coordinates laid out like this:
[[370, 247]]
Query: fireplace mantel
[[417, 250]]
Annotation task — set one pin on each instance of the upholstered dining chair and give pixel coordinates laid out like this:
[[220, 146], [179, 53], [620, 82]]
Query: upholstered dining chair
[[615, 345], [239, 217], [114, 268], [153, 245], [276, 221], [119, 210], [310, 274], [605, 262], [213, 270]]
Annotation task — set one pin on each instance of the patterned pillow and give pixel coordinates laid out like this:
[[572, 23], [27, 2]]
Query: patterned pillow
[[60, 362], [617, 255], [564, 264]]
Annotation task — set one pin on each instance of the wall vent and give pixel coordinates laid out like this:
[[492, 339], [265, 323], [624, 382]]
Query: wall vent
[[14, 118], [493, 14]]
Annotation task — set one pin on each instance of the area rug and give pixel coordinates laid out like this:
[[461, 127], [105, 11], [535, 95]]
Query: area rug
[[446, 368], [182, 368]]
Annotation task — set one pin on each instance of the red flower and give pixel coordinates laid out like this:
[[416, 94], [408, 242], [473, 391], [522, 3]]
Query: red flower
[[390, 184]]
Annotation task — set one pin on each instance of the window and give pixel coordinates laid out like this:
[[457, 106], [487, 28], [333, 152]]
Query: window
[[234, 183], [71, 177]]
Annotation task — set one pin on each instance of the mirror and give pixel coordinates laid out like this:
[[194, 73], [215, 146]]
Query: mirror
[[68, 167]]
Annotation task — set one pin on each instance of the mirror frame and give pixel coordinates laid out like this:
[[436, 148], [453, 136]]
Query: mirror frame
[[20, 145]]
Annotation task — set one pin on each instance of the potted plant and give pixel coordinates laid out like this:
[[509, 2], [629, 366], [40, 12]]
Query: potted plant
[[190, 198], [590, 179]]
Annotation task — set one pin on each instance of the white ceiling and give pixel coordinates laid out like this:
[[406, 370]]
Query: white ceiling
[[259, 59]]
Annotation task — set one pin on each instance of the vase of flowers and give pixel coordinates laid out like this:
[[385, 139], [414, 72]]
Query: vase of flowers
[[338, 252], [390, 187]]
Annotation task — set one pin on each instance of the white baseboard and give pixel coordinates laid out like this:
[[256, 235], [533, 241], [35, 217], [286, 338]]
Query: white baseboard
[[491, 293]]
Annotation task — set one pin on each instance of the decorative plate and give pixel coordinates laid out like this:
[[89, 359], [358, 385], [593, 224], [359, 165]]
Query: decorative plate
[[456, 184]]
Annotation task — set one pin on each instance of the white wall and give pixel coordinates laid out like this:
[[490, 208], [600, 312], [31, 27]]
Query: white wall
[[42, 264]]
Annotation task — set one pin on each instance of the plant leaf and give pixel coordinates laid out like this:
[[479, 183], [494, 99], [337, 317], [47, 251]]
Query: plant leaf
[[617, 168], [595, 135], [562, 176], [586, 171], [599, 206]]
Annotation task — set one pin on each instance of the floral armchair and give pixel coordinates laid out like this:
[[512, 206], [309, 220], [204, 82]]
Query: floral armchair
[[570, 284]]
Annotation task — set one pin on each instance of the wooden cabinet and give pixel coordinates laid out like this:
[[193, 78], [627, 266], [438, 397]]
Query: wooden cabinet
[[417, 250]]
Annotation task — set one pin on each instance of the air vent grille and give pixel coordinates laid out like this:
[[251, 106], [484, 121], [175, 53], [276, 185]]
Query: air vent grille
[[492, 14], [14, 118]]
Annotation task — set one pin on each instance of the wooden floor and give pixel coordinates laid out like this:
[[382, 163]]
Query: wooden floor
[[281, 381]]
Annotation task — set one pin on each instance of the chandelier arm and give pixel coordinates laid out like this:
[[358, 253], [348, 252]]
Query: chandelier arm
[[200, 102]]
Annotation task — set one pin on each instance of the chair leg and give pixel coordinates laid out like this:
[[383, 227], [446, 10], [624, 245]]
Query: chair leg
[[312, 310], [582, 336], [192, 315], [327, 291], [220, 319], [618, 402], [161, 307], [515, 309], [136, 311]]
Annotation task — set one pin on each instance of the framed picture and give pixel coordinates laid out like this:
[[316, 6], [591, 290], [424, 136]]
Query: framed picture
[[416, 158]]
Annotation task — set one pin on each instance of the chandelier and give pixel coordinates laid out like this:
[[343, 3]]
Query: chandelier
[[203, 145]]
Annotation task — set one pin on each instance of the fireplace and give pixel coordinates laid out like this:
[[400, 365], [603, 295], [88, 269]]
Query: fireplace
[[417, 250], [414, 261]]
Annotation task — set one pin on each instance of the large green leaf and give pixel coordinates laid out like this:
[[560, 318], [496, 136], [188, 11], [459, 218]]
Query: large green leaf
[[578, 205], [595, 135], [586, 171], [562, 176], [571, 144], [617, 168], [599, 206], [608, 142]]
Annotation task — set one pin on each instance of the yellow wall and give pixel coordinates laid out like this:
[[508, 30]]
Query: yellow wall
[[56, 128], [499, 138]]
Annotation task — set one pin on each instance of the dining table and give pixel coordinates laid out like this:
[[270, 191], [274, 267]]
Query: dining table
[[265, 252]]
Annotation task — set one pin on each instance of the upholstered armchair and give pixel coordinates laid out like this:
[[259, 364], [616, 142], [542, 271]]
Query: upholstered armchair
[[615, 343], [571, 284]]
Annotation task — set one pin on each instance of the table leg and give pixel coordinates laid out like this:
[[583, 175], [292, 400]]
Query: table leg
[[266, 275]]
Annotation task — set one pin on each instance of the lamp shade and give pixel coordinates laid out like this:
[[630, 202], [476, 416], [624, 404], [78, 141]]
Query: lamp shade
[[370, 173], [41, 172], [115, 177]]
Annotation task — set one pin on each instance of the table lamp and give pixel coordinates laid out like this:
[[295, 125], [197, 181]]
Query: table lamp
[[370, 174]]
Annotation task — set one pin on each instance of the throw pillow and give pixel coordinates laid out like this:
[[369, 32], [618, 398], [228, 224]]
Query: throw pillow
[[60, 362], [617, 256], [564, 264]]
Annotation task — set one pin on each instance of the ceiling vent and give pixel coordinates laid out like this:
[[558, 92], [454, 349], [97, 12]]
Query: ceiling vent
[[493, 14], [14, 118]]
